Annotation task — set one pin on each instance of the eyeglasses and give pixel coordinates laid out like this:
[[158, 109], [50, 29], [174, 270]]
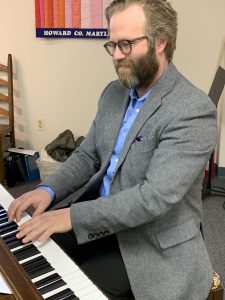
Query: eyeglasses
[[125, 46]]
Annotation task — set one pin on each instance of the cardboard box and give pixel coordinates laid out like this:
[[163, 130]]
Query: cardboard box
[[29, 164]]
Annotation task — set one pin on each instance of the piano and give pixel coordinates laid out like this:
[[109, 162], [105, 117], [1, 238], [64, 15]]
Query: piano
[[39, 270]]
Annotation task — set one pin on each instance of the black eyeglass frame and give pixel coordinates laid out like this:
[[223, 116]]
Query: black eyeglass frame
[[112, 45]]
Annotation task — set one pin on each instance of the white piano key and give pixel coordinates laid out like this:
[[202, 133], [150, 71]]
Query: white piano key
[[95, 295], [88, 293], [78, 282]]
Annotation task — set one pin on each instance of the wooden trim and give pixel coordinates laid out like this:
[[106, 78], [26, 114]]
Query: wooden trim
[[11, 100], [3, 68], [4, 112], [4, 83], [4, 98]]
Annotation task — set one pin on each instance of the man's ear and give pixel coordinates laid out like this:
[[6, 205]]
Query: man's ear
[[160, 45]]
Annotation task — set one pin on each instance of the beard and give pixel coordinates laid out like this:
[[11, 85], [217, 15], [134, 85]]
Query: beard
[[138, 72]]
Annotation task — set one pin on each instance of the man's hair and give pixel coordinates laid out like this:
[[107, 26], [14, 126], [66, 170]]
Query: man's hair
[[161, 20]]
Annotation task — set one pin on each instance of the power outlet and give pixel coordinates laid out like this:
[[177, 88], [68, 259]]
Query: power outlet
[[40, 124]]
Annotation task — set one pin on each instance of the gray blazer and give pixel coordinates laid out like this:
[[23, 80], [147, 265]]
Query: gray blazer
[[155, 205]]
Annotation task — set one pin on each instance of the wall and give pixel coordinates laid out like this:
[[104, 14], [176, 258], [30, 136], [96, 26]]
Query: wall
[[57, 79], [61, 80]]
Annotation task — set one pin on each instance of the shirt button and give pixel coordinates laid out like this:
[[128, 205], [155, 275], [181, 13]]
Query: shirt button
[[137, 110], [116, 160]]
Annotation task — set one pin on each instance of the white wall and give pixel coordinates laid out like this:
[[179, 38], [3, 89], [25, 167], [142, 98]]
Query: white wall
[[57, 79], [61, 79]]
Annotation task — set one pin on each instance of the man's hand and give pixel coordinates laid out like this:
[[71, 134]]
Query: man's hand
[[39, 199], [41, 227]]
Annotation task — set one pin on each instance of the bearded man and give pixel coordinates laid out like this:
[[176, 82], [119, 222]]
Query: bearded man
[[133, 208]]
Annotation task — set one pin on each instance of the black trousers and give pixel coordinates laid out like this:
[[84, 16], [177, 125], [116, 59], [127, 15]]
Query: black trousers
[[101, 260]]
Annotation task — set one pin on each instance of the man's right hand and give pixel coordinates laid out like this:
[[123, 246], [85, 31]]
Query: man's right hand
[[38, 199]]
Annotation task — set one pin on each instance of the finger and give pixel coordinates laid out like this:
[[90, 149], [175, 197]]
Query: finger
[[38, 211], [45, 235], [23, 230], [12, 210], [16, 209], [19, 212], [28, 233], [27, 224]]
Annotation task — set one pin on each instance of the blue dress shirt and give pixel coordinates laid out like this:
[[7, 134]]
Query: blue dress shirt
[[131, 113]]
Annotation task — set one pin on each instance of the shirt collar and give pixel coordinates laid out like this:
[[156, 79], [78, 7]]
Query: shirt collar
[[133, 95]]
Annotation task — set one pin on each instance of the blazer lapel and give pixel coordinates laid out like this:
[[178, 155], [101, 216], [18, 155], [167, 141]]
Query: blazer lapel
[[161, 88], [119, 105], [120, 101]]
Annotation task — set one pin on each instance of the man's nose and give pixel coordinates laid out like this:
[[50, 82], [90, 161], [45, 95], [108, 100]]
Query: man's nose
[[118, 54]]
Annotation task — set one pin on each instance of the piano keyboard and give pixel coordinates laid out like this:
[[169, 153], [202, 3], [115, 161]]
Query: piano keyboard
[[53, 273]]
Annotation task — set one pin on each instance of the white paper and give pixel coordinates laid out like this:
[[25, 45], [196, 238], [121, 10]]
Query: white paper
[[22, 151], [4, 288]]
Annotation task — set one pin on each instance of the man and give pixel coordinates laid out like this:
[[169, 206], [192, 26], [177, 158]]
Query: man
[[137, 209]]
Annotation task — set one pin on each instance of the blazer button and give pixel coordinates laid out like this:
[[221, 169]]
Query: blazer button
[[101, 234], [106, 232], [70, 202], [95, 235], [90, 236]]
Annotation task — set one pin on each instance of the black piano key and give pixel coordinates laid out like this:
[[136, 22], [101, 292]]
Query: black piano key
[[25, 252], [14, 244], [4, 220], [51, 287], [3, 211], [44, 270], [47, 280], [12, 241], [61, 295], [3, 214], [10, 237], [36, 267], [34, 270], [7, 228], [31, 266], [36, 261]]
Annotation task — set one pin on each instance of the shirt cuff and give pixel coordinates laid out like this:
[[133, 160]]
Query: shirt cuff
[[49, 190]]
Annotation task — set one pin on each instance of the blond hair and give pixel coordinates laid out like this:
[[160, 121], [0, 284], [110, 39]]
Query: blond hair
[[161, 20]]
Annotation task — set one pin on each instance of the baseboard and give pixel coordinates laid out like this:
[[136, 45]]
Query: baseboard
[[219, 171]]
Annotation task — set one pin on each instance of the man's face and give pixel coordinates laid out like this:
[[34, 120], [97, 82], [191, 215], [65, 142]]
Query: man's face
[[137, 72], [137, 69]]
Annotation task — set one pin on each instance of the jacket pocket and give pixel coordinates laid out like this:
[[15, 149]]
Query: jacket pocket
[[178, 234]]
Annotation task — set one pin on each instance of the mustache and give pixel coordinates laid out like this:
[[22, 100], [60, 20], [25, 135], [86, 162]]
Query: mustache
[[123, 64]]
